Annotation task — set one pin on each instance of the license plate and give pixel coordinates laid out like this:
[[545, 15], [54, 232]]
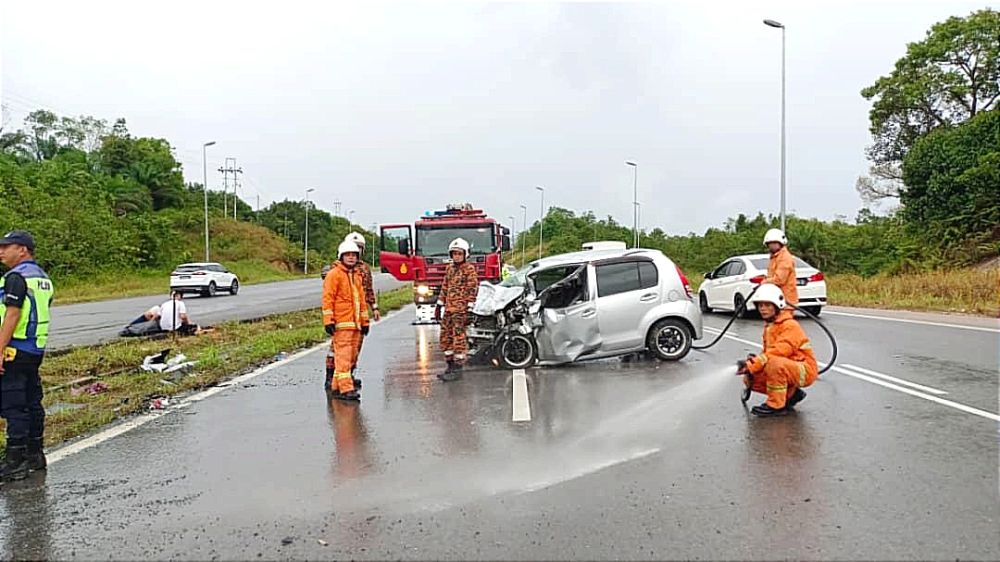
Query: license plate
[[188, 277], [802, 281]]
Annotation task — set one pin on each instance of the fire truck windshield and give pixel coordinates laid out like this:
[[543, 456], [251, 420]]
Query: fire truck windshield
[[433, 241]]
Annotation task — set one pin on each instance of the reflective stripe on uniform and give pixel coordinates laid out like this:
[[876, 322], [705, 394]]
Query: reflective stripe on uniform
[[807, 345], [340, 325], [777, 387], [802, 374], [341, 376]]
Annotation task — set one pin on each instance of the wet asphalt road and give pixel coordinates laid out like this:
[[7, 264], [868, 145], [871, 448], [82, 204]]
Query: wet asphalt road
[[90, 323], [619, 461]]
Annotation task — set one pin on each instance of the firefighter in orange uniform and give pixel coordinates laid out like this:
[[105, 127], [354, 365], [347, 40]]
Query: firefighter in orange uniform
[[457, 297], [781, 268], [344, 315], [787, 364], [371, 302]]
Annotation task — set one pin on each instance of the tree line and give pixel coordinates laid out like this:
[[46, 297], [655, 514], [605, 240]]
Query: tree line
[[98, 198]]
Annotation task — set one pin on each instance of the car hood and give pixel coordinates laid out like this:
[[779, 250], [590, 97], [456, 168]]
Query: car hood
[[493, 298]]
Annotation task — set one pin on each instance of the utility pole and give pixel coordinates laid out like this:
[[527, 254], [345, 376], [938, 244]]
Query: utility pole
[[524, 227], [336, 208], [224, 170], [375, 237], [285, 222]]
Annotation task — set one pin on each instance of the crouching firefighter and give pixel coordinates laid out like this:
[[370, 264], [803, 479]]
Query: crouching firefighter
[[787, 363], [344, 315], [457, 297]]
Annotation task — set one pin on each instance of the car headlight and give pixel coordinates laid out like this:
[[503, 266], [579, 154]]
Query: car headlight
[[423, 290]]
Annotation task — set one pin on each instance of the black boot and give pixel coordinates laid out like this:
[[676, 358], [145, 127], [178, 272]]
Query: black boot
[[794, 399], [351, 396], [454, 374], [36, 456], [357, 381], [447, 371], [15, 464], [766, 411]]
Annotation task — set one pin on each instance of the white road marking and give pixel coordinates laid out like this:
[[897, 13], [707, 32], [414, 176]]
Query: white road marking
[[921, 322], [927, 389], [942, 401], [886, 384], [124, 427], [519, 400]]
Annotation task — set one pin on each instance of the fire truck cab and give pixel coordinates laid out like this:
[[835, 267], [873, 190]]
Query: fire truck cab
[[419, 252]]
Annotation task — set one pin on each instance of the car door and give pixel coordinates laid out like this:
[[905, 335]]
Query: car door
[[622, 302], [569, 315], [715, 286], [733, 281]]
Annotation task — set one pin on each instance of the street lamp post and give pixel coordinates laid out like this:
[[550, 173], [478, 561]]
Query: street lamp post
[[541, 222], [524, 226], [772, 23], [513, 230], [635, 202], [204, 186], [350, 217], [375, 237], [306, 266]]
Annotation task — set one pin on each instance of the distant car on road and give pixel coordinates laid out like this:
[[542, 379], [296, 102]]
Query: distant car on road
[[324, 271], [728, 286], [204, 278]]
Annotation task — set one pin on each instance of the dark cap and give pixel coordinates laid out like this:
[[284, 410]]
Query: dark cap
[[20, 238]]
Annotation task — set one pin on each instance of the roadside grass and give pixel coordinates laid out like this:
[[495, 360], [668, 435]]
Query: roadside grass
[[969, 291], [115, 285], [232, 349]]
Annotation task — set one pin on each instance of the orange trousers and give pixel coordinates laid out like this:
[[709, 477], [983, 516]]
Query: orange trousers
[[780, 379], [345, 349]]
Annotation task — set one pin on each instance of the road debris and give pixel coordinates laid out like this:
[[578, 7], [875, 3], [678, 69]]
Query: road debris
[[92, 389], [159, 363], [159, 403]]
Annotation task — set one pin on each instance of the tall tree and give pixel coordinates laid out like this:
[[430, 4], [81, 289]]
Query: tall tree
[[943, 80]]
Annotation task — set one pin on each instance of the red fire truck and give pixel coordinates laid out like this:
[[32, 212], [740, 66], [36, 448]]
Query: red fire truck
[[423, 258]]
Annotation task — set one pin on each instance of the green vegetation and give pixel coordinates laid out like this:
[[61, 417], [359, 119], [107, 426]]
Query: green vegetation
[[232, 349], [112, 215]]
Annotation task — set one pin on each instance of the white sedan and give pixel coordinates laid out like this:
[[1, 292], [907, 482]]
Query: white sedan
[[203, 278], [728, 286]]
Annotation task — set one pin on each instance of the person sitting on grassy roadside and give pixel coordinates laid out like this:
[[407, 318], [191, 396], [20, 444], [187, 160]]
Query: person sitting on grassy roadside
[[174, 317]]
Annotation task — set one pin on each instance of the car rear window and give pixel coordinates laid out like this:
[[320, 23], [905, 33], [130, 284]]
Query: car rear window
[[761, 263], [188, 268], [615, 278]]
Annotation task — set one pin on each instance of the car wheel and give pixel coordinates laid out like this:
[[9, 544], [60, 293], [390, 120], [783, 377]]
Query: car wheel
[[703, 303], [210, 292], [739, 304], [517, 352], [234, 288], [814, 310], [669, 339]]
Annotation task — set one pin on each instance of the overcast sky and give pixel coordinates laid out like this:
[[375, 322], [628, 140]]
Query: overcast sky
[[396, 108]]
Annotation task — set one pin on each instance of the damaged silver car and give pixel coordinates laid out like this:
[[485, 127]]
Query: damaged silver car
[[586, 305]]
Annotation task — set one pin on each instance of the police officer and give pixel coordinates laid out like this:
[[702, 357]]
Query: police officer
[[24, 329]]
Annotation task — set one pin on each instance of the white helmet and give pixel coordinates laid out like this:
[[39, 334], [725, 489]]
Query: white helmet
[[775, 235], [771, 293], [347, 247], [458, 244], [357, 238]]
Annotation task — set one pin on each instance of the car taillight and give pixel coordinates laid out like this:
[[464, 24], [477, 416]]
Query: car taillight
[[817, 277], [758, 280], [199, 273], [684, 281]]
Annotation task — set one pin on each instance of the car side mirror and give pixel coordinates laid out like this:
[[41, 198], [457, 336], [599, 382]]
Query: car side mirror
[[506, 243], [708, 275]]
